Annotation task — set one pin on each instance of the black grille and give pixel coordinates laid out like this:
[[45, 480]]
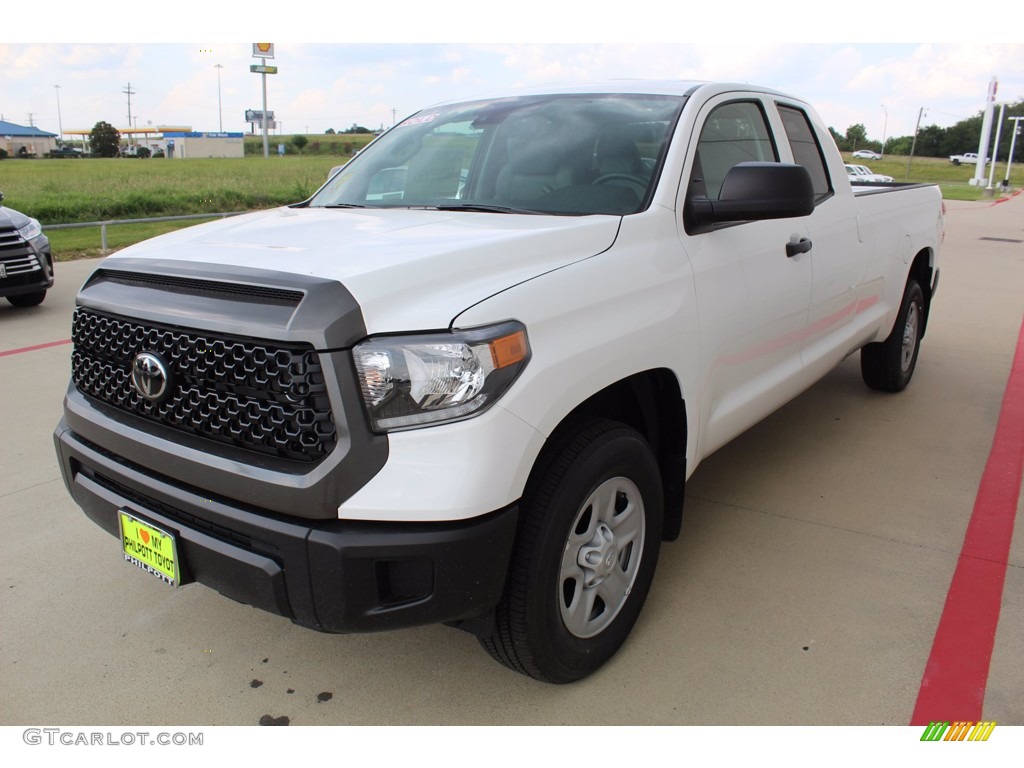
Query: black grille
[[260, 396]]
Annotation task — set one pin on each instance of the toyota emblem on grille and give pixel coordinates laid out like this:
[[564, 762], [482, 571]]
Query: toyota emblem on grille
[[150, 377]]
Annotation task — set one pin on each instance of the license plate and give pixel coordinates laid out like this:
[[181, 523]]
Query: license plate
[[150, 548]]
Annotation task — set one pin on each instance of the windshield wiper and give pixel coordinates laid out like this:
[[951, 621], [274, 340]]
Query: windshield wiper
[[476, 207], [487, 208]]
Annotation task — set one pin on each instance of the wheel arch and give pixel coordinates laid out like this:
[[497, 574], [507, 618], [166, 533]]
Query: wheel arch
[[922, 270], [650, 402]]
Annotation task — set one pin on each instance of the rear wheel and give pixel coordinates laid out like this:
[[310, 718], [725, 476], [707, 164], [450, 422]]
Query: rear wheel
[[889, 365], [585, 557]]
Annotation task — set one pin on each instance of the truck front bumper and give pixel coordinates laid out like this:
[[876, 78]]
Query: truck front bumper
[[26, 267], [330, 575]]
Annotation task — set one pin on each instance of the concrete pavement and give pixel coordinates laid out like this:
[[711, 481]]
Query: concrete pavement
[[816, 554]]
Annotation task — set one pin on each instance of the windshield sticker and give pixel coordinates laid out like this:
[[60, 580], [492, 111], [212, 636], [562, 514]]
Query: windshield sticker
[[420, 120]]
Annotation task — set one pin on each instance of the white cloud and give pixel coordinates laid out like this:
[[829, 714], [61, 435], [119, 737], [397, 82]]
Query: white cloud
[[334, 85]]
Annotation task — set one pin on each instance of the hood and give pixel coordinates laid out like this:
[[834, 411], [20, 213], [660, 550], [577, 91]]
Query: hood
[[407, 269], [11, 219]]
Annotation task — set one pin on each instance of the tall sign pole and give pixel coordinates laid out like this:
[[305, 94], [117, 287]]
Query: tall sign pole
[[266, 144], [986, 134], [264, 51], [1013, 143], [220, 109], [995, 147]]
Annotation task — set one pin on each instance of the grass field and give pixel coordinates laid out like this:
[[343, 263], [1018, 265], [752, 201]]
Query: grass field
[[93, 189], [952, 179], [335, 144], [71, 191]]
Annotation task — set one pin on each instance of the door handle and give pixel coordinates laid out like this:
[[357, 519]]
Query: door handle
[[794, 247]]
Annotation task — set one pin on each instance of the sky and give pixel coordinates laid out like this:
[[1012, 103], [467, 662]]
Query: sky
[[344, 64]]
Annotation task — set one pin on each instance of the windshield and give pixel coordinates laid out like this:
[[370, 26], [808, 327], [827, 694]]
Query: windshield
[[564, 154]]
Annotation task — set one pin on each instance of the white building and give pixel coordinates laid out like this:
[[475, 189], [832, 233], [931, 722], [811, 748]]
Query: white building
[[182, 144]]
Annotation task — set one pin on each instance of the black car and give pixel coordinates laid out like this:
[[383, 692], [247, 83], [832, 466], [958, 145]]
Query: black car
[[26, 263]]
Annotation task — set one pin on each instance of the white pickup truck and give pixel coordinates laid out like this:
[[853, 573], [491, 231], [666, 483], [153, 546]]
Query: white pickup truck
[[466, 381], [968, 158]]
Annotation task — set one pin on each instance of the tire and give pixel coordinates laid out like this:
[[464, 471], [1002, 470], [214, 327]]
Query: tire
[[590, 531], [27, 299], [889, 365]]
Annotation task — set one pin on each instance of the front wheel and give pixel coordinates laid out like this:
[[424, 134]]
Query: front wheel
[[27, 299], [585, 557], [888, 365]]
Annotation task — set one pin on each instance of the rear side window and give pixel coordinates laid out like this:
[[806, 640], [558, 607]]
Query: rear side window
[[806, 150]]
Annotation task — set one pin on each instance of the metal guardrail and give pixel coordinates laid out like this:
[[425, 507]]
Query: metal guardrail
[[110, 222]]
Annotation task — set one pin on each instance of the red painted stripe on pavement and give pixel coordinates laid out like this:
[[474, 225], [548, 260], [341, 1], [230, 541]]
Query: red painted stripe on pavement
[[953, 685], [7, 352], [1004, 199]]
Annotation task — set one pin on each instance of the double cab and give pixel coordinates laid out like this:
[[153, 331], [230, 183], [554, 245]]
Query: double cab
[[467, 380]]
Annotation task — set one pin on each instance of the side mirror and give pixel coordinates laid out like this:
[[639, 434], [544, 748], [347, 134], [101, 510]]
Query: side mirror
[[756, 191]]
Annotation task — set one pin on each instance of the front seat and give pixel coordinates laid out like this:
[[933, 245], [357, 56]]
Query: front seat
[[617, 154], [535, 173]]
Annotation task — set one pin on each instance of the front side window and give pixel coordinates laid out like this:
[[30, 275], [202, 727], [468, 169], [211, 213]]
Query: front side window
[[733, 133], [561, 154]]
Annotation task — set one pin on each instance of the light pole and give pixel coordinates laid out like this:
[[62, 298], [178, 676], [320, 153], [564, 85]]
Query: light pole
[[130, 93], [60, 125], [913, 144], [220, 112], [884, 126]]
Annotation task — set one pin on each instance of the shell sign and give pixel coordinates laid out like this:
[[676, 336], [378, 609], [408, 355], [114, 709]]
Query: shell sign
[[263, 50]]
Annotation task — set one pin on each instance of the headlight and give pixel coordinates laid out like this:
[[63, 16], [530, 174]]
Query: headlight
[[31, 231], [416, 380]]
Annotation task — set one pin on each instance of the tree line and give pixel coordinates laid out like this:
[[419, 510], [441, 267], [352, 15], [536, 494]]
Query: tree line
[[933, 141]]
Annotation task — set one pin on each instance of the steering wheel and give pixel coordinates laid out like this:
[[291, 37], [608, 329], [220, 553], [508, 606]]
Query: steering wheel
[[635, 183]]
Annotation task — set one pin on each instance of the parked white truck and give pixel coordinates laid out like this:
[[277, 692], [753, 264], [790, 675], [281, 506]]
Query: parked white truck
[[466, 381]]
